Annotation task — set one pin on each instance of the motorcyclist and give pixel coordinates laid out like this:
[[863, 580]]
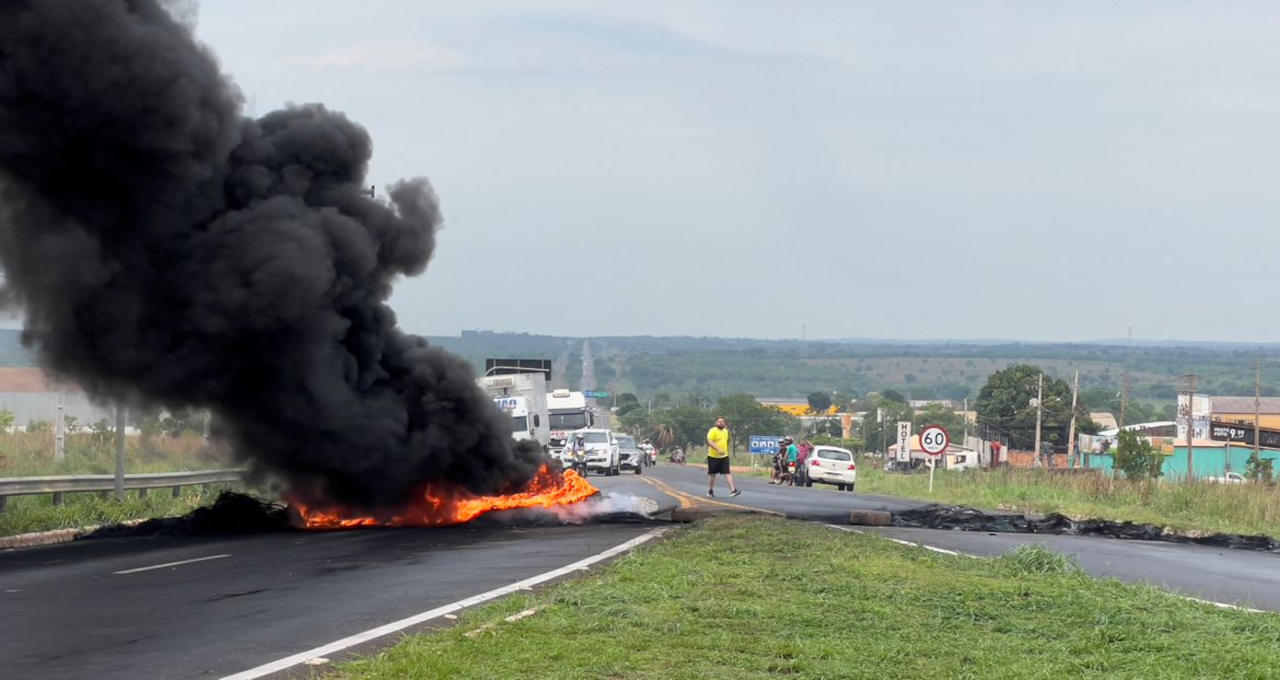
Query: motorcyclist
[[789, 469], [578, 453], [778, 474]]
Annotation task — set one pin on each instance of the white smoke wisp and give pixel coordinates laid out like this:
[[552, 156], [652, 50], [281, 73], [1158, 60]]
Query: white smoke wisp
[[603, 504]]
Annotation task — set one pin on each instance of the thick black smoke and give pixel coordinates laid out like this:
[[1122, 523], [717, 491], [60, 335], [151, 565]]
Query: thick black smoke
[[165, 248]]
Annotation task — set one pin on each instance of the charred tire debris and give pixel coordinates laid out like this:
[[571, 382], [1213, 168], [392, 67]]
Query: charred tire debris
[[960, 518], [238, 513]]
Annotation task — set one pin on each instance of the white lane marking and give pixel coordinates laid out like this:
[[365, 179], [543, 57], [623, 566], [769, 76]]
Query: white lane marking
[[394, 626], [173, 564], [1219, 605]]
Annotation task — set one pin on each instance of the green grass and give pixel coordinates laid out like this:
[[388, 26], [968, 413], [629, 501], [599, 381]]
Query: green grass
[[1247, 508], [738, 597], [24, 514], [28, 454], [31, 454]]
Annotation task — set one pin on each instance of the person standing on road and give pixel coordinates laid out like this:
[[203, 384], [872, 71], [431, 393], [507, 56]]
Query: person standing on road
[[718, 458]]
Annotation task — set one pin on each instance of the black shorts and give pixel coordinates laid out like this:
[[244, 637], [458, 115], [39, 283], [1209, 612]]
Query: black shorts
[[717, 466]]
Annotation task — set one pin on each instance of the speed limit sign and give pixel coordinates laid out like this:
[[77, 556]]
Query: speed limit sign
[[934, 440]]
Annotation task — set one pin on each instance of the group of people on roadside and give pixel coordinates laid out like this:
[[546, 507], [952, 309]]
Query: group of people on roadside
[[789, 462]]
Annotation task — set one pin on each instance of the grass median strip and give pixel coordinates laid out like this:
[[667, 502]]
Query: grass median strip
[[756, 597]]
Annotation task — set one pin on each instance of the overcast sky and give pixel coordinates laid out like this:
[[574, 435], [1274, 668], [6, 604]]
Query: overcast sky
[[1023, 170]]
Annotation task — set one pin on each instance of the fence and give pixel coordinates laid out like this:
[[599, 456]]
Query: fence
[[58, 485]]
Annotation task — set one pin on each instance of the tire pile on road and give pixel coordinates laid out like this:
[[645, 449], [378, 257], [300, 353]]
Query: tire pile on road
[[960, 518]]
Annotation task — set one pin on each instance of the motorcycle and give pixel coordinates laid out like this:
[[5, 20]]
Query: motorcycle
[[677, 457], [578, 460]]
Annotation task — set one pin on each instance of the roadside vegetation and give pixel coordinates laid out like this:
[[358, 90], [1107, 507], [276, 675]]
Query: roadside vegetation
[[29, 454], [25, 514], [162, 446], [738, 597]]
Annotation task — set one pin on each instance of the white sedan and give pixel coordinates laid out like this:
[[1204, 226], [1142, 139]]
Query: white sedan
[[831, 465]]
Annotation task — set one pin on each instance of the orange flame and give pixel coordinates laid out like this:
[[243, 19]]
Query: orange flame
[[441, 505]]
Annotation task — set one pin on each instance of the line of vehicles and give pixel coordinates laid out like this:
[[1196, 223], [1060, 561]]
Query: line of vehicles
[[565, 425], [556, 419]]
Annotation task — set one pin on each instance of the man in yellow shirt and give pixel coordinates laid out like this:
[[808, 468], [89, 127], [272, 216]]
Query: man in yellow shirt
[[718, 458]]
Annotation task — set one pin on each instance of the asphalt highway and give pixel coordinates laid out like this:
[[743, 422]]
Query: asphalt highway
[[1239, 577], [172, 607], [94, 609]]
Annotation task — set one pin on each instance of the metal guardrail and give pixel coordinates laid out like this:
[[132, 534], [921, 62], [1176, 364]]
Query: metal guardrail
[[60, 484]]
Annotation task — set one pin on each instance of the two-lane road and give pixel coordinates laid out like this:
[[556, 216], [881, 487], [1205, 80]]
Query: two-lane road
[[207, 607], [1239, 577]]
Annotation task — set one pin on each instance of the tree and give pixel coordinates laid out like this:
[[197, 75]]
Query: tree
[[628, 402], [1136, 457], [101, 433], [1005, 404], [880, 424], [6, 419], [893, 395], [690, 424], [1258, 468], [746, 417], [819, 402], [937, 414]]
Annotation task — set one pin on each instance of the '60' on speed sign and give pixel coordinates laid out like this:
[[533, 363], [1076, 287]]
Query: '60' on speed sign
[[934, 440]]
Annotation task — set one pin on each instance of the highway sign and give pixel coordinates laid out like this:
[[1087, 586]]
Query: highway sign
[[764, 444], [595, 394], [934, 440]]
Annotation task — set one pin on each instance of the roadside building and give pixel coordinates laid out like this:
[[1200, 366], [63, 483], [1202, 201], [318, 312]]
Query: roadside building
[[1105, 420], [795, 407], [1240, 410], [32, 396]]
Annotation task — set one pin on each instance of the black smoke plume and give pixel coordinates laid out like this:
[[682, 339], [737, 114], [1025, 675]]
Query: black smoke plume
[[166, 249]]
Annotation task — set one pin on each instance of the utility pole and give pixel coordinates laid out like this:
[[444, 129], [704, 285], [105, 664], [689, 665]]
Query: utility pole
[[1039, 410], [1124, 392], [966, 421], [1191, 425], [1257, 407], [884, 441], [1071, 437], [119, 452], [60, 430]]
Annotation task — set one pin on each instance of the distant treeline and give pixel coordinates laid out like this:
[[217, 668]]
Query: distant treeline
[[714, 367]]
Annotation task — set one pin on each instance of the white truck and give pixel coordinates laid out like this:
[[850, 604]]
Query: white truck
[[569, 412], [523, 396]]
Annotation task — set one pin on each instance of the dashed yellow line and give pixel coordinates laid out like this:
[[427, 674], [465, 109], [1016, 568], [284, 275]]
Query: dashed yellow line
[[688, 500]]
